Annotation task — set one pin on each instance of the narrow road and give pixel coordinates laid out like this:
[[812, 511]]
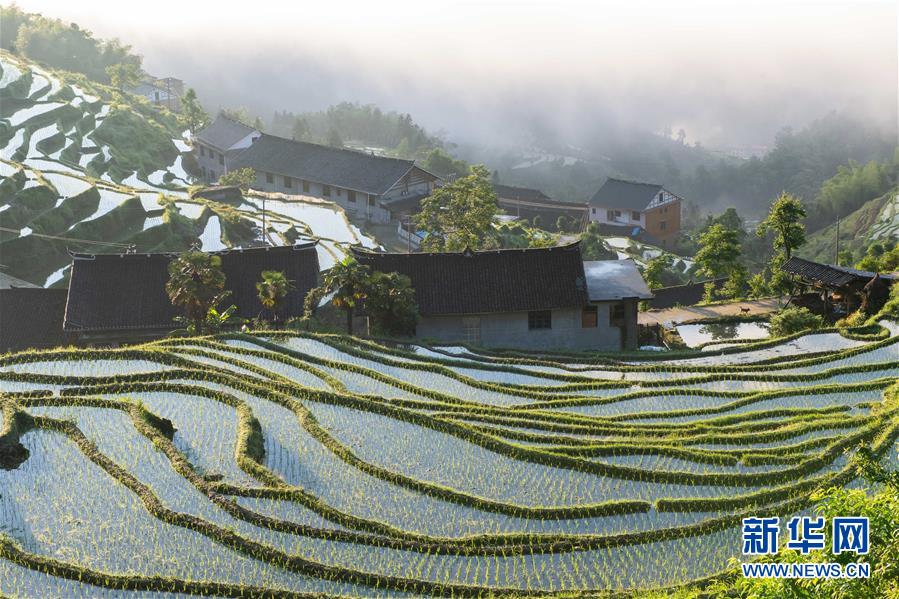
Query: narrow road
[[681, 314]]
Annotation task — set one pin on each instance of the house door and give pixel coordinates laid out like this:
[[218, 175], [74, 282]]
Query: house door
[[471, 330]]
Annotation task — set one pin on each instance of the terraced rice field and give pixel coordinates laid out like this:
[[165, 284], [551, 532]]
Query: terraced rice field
[[286, 463], [66, 175]]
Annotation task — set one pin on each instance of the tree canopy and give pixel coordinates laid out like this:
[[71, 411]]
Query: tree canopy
[[197, 284], [460, 214], [784, 220], [62, 45]]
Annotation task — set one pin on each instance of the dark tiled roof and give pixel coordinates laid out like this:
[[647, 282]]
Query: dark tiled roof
[[223, 133], [127, 291], [31, 317], [828, 274], [508, 192], [628, 195], [489, 281], [348, 169], [407, 204]]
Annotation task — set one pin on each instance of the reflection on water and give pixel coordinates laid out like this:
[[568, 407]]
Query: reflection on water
[[697, 334]]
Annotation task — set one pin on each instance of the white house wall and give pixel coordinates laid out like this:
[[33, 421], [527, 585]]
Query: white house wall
[[510, 329]]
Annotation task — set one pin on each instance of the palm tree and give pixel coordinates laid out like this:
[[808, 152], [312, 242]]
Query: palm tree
[[197, 283], [272, 290], [350, 281]]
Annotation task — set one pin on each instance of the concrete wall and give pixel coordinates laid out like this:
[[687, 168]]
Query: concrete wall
[[364, 206], [600, 214], [510, 329], [210, 161]]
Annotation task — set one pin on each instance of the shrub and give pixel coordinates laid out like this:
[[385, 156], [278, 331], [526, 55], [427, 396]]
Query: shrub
[[793, 320]]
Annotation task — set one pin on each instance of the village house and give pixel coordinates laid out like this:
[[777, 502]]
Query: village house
[[30, 316], [371, 187], [222, 137], [631, 205], [116, 298], [536, 298], [161, 92], [836, 291], [527, 203]]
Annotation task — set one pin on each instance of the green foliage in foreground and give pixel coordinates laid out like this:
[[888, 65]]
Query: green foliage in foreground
[[793, 320]]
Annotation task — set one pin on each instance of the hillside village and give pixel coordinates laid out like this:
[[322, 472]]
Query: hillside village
[[229, 185], [333, 353]]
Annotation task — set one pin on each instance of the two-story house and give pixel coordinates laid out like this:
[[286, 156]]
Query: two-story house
[[220, 139], [365, 185], [631, 204]]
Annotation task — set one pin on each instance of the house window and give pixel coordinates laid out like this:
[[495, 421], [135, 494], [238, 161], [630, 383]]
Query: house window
[[594, 211], [211, 175], [339, 191], [540, 319], [661, 195], [202, 151], [326, 191], [203, 170], [221, 159], [663, 225], [305, 186], [635, 215], [616, 314], [351, 196], [371, 200], [288, 182], [589, 317], [613, 214], [269, 178]]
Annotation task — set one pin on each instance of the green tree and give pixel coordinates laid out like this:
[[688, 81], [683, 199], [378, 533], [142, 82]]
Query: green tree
[[460, 215], [784, 220], [334, 139], [242, 177], [592, 247], [272, 289], [300, 129], [349, 281], [197, 284], [391, 304], [192, 114], [656, 269], [123, 74], [793, 320], [719, 252], [443, 165]]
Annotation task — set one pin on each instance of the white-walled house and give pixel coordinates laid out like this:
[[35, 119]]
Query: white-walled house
[[365, 185], [632, 204], [534, 298], [218, 142]]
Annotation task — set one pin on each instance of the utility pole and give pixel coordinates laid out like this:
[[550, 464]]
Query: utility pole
[[837, 250], [264, 227]]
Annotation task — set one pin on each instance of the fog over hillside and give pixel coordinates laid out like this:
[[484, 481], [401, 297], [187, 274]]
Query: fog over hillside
[[729, 73]]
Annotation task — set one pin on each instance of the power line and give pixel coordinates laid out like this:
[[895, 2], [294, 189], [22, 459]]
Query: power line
[[72, 239]]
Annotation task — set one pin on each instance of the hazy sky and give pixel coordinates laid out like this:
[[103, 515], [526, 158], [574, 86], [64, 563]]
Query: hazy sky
[[728, 72]]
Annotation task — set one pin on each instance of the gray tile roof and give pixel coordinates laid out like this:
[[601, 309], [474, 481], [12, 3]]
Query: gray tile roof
[[829, 274], [609, 280], [223, 133], [627, 195], [489, 281], [511, 192], [127, 291], [348, 169]]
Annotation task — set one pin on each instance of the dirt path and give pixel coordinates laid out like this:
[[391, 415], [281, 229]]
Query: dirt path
[[686, 313]]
